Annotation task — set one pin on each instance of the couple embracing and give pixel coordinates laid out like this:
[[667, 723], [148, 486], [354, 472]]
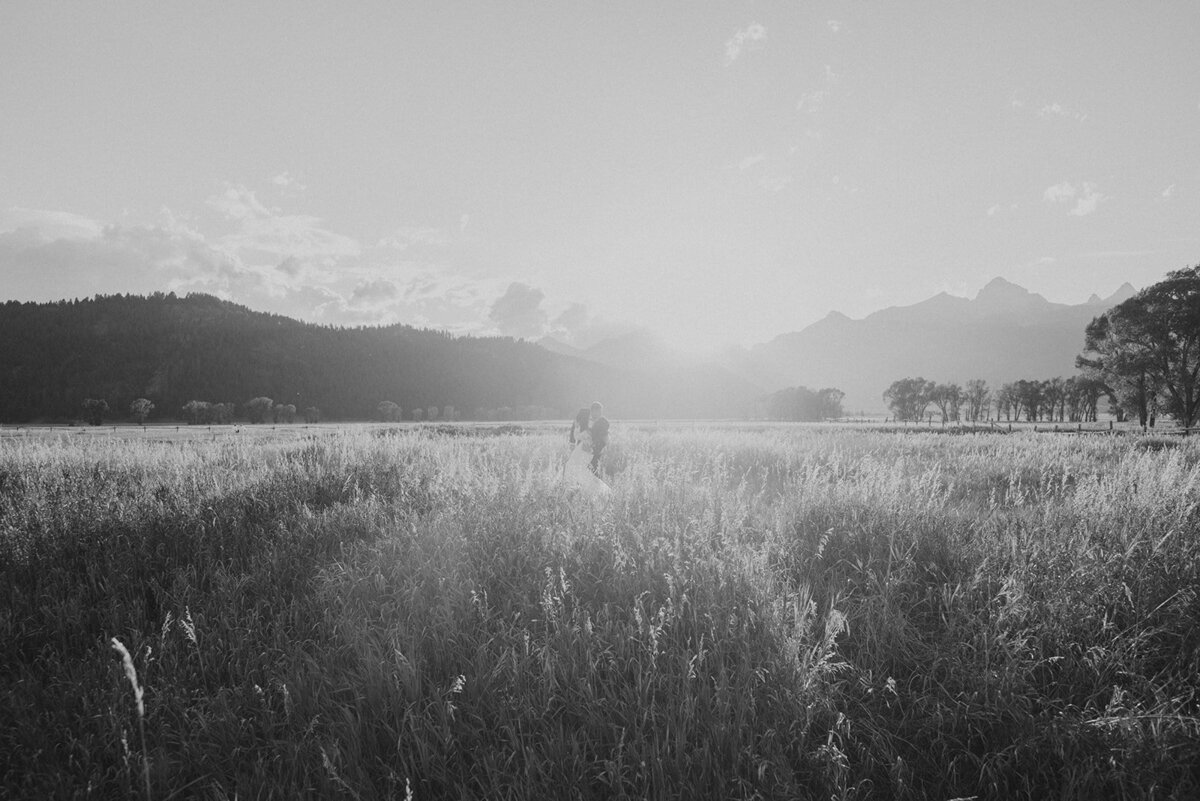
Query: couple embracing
[[589, 436]]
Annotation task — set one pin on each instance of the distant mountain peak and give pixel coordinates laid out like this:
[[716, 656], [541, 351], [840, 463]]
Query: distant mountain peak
[[1001, 295], [1000, 288], [1124, 292]]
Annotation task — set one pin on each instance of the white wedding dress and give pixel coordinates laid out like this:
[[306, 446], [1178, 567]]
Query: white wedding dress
[[578, 473]]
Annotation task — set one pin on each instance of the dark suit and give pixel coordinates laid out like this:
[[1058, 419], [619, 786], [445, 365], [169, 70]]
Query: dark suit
[[599, 429]]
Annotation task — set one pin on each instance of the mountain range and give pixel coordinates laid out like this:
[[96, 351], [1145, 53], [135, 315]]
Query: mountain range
[[1004, 333], [173, 350]]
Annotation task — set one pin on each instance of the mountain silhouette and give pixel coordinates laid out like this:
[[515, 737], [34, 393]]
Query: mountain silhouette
[[172, 350], [1004, 333]]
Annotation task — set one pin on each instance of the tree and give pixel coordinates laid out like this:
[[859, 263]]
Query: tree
[[140, 409], [948, 399], [283, 412], [94, 410], [389, 412], [432, 412], [977, 397], [197, 412], [1083, 395], [312, 415], [801, 404], [1006, 401], [416, 414], [259, 409], [1054, 399], [1147, 349], [908, 398], [830, 402], [1027, 398]]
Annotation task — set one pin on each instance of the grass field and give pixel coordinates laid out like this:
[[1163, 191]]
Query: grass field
[[781, 612]]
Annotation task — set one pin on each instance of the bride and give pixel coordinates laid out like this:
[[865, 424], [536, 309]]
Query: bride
[[578, 472]]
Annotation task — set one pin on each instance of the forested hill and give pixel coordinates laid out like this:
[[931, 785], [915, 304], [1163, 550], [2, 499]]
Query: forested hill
[[173, 350]]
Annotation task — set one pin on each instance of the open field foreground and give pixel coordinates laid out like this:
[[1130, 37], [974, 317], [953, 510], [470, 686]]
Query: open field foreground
[[781, 613]]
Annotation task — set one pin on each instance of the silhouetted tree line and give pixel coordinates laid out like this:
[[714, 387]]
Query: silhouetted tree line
[[171, 351], [801, 404], [197, 412], [1073, 399]]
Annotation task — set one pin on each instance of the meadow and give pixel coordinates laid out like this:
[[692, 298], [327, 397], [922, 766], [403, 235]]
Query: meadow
[[776, 612]]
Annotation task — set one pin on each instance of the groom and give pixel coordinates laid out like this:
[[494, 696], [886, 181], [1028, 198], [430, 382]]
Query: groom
[[598, 426]]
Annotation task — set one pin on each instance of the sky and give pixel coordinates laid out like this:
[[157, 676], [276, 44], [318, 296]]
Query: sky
[[716, 172]]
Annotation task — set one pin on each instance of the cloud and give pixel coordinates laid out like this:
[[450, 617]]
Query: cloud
[[266, 235], [518, 312], [1086, 196], [373, 291], [750, 161], [1170, 190], [574, 318], [291, 267], [1059, 110], [994, 210], [39, 263], [579, 328], [1089, 199], [51, 224], [775, 181], [814, 101], [746, 37], [768, 174], [409, 236], [1059, 193], [257, 255], [289, 185], [521, 312], [834, 25]]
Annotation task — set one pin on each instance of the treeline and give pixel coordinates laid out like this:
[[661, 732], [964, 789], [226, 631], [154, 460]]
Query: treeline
[[1074, 399], [801, 404], [184, 352]]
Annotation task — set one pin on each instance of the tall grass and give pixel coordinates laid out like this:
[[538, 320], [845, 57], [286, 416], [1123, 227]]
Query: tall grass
[[788, 613]]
